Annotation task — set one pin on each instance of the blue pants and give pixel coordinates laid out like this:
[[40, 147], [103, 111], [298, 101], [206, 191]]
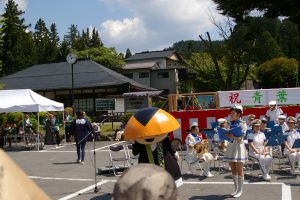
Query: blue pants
[[82, 147]]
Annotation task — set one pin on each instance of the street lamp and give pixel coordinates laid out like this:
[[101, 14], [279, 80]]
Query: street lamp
[[71, 59]]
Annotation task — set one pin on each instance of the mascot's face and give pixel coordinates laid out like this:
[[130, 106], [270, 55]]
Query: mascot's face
[[151, 139], [150, 125]]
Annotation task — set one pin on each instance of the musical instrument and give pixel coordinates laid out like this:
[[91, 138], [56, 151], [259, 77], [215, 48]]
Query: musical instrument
[[201, 147], [223, 146]]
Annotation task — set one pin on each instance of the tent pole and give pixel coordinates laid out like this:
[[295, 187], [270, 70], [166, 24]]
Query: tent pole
[[38, 128], [64, 127]]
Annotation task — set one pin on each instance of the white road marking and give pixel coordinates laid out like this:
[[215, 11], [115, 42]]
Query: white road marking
[[286, 193], [230, 183], [56, 178], [83, 190], [109, 145], [286, 189], [55, 148]]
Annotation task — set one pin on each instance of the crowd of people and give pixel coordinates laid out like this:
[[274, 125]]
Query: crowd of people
[[256, 142], [10, 131]]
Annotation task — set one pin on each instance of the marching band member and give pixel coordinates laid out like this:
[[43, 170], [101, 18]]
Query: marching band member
[[251, 117], [191, 141], [281, 122], [293, 154], [257, 150], [298, 124], [273, 112], [219, 145], [236, 153], [264, 129]]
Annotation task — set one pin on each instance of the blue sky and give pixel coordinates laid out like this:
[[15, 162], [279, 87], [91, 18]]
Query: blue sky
[[136, 24]]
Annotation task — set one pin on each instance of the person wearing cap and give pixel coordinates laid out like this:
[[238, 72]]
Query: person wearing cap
[[264, 129], [258, 150], [273, 112], [222, 123], [298, 124], [191, 140], [281, 122], [236, 153], [251, 117], [293, 154]]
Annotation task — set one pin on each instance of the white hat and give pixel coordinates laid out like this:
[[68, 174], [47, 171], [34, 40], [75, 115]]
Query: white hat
[[281, 117], [238, 106], [272, 103], [194, 124], [222, 121]]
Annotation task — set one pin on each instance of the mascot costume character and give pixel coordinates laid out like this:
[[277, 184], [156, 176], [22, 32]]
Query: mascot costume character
[[148, 131]]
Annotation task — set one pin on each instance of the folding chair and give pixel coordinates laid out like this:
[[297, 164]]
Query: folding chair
[[184, 154], [118, 154], [131, 157]]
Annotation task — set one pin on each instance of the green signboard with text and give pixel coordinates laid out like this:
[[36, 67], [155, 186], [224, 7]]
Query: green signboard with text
[[105, 104]]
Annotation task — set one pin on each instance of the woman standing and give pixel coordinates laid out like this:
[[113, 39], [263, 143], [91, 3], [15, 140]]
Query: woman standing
[[236, 153]]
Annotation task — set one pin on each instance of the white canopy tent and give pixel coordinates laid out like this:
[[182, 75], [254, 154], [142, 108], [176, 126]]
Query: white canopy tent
[[26, 100]]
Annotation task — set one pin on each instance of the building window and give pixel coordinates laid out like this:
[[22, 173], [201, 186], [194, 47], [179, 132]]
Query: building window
[[129, 75], [86, 105], [144, 75], [163, 75]]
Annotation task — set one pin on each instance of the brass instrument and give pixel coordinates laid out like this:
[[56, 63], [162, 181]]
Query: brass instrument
[[223, 146], [201, 147]]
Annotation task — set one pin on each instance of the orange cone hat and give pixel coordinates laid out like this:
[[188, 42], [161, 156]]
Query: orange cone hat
[[150, 122]]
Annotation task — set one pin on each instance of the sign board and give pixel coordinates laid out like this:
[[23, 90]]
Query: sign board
[[133, 104], [283, 96], [105, 104]]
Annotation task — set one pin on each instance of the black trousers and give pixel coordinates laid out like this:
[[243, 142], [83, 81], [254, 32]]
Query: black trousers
[[57, 137]]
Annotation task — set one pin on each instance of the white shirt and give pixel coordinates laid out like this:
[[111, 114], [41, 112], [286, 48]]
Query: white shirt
[[258, 140], [191, 140], [292, 136], [273, 114]]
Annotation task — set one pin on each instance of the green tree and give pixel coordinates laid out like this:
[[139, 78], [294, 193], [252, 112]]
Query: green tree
[[73, 37], [240, 9], [18, 51], [108, 57], [128, 53], [277, 73], [64, 49], [95, 40], [203, 66], [53, 46], [41, 40]]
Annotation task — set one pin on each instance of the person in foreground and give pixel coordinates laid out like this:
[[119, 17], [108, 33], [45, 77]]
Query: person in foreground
[[145, 182], [80, 128], [236, 153]]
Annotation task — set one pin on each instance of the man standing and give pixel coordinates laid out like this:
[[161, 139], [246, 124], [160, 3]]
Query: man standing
[[80, 128], [68, 120]]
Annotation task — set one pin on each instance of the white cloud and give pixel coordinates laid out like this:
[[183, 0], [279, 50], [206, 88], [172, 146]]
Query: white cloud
[[157, 23], [123, 33], [22, 4]]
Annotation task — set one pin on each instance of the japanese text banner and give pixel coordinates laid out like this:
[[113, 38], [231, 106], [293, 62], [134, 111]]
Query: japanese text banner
[[283, 96]]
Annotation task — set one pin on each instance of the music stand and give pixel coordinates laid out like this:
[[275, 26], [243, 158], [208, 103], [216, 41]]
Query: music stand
[[296, 144]]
